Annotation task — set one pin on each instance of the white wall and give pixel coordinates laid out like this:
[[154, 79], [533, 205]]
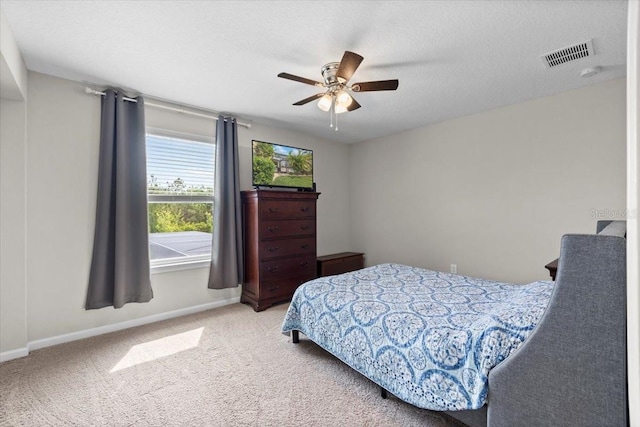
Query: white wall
[[62, 162], [13, 143], [492, 192], [13, 301]]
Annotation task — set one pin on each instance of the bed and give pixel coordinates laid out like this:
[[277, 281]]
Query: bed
[[487, 353]]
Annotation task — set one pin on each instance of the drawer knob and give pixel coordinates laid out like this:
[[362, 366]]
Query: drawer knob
[[304, 208], [305, 246], [304, 227], [304, 264], [273, 249], [273, 229], [274, 210], [273, 269]]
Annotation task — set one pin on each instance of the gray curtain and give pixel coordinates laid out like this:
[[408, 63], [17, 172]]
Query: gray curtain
[[120, 264], [227, 266]]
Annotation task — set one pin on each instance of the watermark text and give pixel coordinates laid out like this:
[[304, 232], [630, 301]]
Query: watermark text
[[613, 214]]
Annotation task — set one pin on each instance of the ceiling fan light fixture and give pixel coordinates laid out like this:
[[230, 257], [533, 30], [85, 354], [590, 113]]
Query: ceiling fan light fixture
[[340, 109], [344, 99], [325, 102], [338, 99]]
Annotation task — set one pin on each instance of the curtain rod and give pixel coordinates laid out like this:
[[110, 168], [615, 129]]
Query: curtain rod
[[164, 107]]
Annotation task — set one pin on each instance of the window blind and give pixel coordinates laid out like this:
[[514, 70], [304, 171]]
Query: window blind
[[179, 170]]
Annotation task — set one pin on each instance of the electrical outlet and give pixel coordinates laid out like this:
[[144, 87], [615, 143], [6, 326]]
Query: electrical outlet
[[454, 269]]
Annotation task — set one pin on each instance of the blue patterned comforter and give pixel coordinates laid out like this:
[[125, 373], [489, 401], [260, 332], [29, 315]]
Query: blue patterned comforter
[[430, 338]]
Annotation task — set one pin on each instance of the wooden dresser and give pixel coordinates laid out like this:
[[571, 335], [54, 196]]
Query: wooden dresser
[[279, 244]]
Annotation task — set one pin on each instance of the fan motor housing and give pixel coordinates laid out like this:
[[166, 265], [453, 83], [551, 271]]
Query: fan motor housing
[[329, 73]]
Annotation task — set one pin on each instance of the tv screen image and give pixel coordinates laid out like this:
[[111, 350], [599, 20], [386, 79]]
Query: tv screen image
[[276, 165]]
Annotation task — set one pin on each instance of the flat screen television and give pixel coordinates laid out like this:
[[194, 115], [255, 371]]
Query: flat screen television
[[282, 166]]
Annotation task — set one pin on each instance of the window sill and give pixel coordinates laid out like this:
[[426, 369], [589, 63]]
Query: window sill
[[179, 266]]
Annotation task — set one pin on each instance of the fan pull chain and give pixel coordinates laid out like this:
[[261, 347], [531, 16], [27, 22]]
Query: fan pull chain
[[332, 109], [332, 112]]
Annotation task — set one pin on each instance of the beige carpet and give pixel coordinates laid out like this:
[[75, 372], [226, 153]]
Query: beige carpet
[[224, 367]]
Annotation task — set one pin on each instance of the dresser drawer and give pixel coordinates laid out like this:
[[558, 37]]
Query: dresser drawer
[[275, 209], [304, 266], [282, 287], [292, 228], [287, 247]]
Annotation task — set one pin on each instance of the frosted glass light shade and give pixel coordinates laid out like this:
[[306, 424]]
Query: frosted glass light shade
[[344, 98], [340, 109], [325, 102]]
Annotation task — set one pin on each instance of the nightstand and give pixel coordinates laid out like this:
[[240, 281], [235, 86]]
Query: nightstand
[[329, 265], [553, 268]]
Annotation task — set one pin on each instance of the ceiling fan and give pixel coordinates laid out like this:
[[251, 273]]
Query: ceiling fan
[[337, 97]]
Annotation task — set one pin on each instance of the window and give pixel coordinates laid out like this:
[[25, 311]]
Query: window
[[180, 174]]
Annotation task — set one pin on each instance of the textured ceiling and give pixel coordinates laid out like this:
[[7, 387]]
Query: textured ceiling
[[452, 58]]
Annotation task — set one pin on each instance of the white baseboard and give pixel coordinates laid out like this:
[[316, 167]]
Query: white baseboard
[[14, 354], [87, 333]]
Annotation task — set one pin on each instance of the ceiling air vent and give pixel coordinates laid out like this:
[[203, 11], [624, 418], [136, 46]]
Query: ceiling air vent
[[567, 54]]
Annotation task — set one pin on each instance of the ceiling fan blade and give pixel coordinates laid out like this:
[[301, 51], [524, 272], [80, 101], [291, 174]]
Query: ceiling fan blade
[[299, 79], [373, 86], [354, 105], [309, 99], [348, 65]]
